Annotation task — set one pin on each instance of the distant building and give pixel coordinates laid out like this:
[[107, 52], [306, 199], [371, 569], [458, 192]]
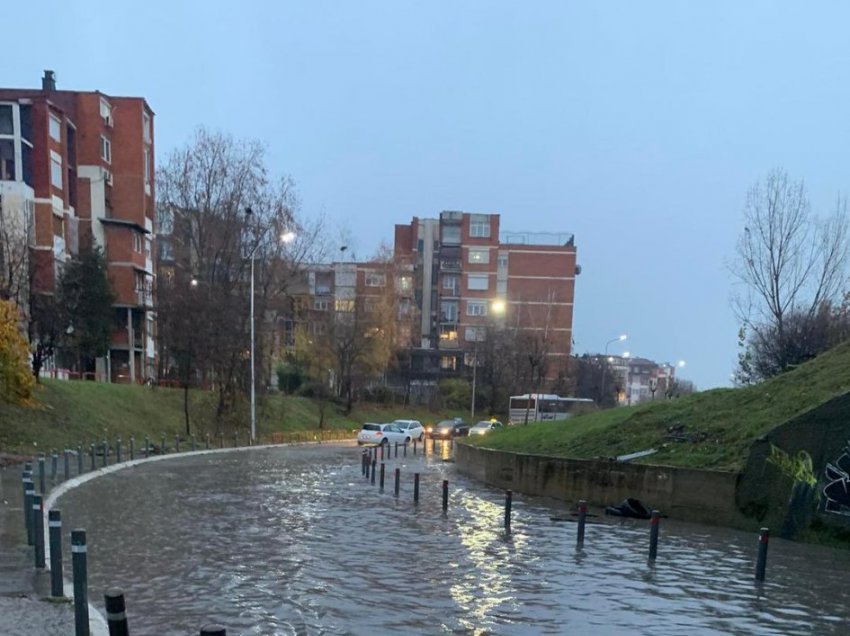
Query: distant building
[[78, 166]]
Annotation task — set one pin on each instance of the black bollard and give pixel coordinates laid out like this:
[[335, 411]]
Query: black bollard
[[213, 630], [105, 453], [382, 476], [396, 449], [54, 530], [509, 496], [414, 447], [208, 441], [80, 576], [582, 519], [91, 454], [80, 459], [118, 450], [761, 564], [363, 462], [416, 488], [54, 465], [38, 530], [132, 448], [162, 447], [41, 476], [29, 493], [67, 460], [116, 613], [194, 447], [404, 450], [397, 480], [445, 495], [374, 464], [176, 443], [147, 446], [653, 535]]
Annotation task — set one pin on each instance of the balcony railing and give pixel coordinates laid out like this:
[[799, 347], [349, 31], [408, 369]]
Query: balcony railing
[[144, 298], [450, 264]]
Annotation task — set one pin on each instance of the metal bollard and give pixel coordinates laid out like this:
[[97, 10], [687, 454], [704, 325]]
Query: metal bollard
[[363, 462], [81, 592], [416, 488], [29, 493], [414, 447], [509, 496], [213, 630], [374, 463], [91, 454], [397, 480], [208, 441], [54, 530], [67, 466], [653, 535], [38, 530], [761, 563], [162, 446], [194, 448], [132, 448], [147, 446], [54, 465], [41, 475], [176, 443], [445, 495], [105, 453], [396, 449], [382, 476], [404, 450], [582, 519], [118, 450], [116, 612], [80, 459]]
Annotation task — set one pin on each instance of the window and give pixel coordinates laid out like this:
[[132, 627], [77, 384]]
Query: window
[[503, 261], [448, 311], [343, 304], [321, 305], [137, 243], [375, 279], [405, 283], [7, 126], [7, 160], [56, 170], [476, 282], [479, 226], [502, 287], [371, 305], [479, 256], [450, 283], [476, 308], [474, 334], [451, 234], [106, 150], [106, 112], [146, 127], [448, 363], [55, 128], [147, 162]]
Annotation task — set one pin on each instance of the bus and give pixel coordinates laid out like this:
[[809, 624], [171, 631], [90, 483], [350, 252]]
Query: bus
[[544, 407]]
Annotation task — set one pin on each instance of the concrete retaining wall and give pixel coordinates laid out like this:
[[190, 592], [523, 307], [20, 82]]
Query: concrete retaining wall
[[691, 495]]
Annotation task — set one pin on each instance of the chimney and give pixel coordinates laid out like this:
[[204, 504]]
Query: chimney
[[48, 82]]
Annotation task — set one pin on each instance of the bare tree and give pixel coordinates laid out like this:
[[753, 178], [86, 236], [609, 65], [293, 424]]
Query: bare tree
[[788, 263], [15, 240]]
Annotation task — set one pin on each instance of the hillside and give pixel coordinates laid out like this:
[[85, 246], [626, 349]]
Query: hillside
[[69, 413], [713, 429]]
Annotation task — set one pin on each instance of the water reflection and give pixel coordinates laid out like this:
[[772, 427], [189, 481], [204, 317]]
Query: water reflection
[[296, 541]]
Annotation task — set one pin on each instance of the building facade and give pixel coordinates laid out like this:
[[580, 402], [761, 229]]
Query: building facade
[[471, 277], [78, 166]]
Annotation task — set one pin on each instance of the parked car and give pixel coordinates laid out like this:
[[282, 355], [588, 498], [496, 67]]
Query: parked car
[[450, 428], [484, 427], [382, 434], [413, 428]]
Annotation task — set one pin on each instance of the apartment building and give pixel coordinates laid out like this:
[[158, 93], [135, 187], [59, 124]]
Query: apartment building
[[77, 166], [470, 276]]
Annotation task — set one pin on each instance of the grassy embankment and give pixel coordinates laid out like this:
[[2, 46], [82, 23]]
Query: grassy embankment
[[69, 413], [731, 419]]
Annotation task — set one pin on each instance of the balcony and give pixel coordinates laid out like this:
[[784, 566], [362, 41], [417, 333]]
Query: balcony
[[450, 264], [144, 298]]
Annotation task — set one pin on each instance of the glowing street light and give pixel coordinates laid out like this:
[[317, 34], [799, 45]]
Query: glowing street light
[[620, 338]]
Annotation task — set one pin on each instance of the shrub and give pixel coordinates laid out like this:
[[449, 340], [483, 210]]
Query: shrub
[[16, 379]]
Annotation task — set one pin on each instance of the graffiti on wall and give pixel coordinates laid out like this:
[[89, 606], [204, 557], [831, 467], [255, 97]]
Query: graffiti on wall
[[837, 489]]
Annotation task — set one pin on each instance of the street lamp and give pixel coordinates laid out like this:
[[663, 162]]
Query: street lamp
[[619, 338], [497, 308]]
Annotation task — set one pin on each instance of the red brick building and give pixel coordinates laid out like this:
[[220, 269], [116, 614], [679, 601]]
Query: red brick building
[[81, 165], [470, 276]]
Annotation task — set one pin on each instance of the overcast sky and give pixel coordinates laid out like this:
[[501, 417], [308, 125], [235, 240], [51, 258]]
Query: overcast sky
[[639, 128]]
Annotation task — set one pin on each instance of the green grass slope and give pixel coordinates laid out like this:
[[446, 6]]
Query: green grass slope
[[69, 413], [730, 419]]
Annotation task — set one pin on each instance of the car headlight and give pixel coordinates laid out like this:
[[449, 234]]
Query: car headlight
[[429, 429]]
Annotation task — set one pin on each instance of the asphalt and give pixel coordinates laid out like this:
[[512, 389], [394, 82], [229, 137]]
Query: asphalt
[[25, 605]]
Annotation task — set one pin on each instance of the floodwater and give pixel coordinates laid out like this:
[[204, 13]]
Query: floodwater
[[294, 540]]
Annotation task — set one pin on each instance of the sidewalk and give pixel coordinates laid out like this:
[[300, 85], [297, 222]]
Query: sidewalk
[[24, 608]]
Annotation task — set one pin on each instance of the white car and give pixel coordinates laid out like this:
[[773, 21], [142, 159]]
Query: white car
[[482, 428], [382, 434], [413, 428]]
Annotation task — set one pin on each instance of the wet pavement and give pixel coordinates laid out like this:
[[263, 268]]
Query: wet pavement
[[294, 540]]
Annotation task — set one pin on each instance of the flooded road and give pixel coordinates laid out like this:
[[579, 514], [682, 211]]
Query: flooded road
[[294, 540]]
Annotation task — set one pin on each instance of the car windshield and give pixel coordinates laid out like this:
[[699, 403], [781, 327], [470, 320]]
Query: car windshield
[[371, 427], [482, 425], [446, 423]]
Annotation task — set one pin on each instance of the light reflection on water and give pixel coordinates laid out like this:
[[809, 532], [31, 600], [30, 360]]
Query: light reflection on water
[[296, 541]]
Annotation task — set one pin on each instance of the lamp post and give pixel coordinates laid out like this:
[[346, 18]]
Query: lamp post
[[619, 338], [497, 308]]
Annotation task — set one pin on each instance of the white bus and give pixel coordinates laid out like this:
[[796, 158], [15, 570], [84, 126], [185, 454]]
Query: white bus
[[544, 407]]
